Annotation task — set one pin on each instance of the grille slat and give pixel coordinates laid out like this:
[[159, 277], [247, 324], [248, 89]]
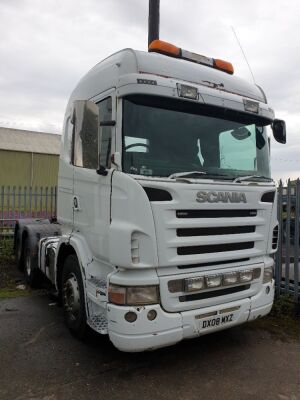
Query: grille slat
[[214, 248], [215, 213], [210, 264], [213, 293], [228, 230]]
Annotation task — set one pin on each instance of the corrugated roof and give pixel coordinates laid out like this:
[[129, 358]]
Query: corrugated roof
[[29, 141]]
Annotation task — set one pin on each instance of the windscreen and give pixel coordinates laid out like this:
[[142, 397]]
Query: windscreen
[[162, 137]]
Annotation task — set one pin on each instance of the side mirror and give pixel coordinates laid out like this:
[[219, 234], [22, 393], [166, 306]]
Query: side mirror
[[279, 130], [85, 119]]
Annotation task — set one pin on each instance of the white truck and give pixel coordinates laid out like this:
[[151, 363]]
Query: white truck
[[167, 218]]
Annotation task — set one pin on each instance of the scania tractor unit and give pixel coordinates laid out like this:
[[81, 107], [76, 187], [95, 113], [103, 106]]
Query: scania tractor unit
[[167, 220]]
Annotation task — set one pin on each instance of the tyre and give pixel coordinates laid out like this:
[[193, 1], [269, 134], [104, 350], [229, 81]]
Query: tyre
[[32, 273], [19, 252], [73, 298]]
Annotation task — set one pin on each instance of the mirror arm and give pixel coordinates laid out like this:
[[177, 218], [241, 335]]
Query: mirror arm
[[107, 123], [102, 170]]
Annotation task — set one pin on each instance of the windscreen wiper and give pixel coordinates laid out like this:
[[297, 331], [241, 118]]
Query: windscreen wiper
[[252, 177], [188, 174]]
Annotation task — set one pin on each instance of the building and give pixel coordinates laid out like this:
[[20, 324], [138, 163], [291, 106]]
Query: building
[[28, 158]]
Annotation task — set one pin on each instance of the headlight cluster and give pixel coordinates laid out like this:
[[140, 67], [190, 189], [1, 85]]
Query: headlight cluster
[[268, 274], [133, 295], [213, 281]]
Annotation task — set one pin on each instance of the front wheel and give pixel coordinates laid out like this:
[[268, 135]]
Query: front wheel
[[73, 297]]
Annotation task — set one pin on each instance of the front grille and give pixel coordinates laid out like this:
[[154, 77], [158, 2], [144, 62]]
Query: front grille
[[214, 248], [215, 213], [210, 264], [213, 293], [227, 230]]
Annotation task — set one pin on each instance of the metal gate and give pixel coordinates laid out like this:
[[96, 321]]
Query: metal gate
[[287, 266]]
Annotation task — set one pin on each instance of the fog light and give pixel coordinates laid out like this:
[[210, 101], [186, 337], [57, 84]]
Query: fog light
[[230, 278], [130, 316], [151, 315], [194, 284], [268, 289], [213, 281], [268, 274], [246, 276]]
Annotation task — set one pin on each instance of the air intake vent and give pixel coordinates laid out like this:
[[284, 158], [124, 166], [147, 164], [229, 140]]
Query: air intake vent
[[215, 213], [214, 248], [275, 238], [227, 230], [210, 264], [155, 194], [268, 197], [213, 293]]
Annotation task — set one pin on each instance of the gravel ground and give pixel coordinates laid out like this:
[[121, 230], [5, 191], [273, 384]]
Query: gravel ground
[[40, 360]]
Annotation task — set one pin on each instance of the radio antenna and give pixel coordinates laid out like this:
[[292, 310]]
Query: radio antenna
[[239, 43]]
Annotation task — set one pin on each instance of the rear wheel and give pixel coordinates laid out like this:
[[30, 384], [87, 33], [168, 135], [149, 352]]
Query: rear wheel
[[73, 297], [19, 252], [32, 273]]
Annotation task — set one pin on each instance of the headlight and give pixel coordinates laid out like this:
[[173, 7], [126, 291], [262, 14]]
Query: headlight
[[194, 284], [246, 276], [230, 278], [213, 281], [268, 274], [133, 295]]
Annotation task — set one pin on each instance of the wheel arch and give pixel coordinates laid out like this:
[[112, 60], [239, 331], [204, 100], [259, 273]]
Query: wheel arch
[[65, 250]]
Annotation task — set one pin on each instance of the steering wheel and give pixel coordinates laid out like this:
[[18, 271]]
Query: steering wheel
[[136, 145]]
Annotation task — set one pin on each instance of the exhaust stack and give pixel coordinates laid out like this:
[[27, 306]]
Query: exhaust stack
[[153, 21]]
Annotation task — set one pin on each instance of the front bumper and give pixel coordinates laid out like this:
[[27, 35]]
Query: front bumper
[[170, 328]]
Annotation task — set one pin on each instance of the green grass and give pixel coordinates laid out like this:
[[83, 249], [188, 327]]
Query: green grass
[[6, 250], [12, 293], [282, 322]]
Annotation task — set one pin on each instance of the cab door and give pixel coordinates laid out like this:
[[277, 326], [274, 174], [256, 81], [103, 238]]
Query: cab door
[[93, 145]]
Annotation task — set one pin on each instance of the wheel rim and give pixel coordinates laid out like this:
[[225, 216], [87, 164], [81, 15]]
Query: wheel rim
[[71, 297]]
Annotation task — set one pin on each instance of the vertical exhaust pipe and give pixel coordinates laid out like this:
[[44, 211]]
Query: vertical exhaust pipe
[[153, 21]]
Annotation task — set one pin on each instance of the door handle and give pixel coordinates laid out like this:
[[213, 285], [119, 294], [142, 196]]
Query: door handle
[[76, 204]]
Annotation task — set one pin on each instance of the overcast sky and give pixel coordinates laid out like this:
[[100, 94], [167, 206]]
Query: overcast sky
[[46, 46]]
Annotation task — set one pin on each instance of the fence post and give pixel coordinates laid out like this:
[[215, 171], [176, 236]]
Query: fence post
[[296, 244], [278, 264], [287, 238]]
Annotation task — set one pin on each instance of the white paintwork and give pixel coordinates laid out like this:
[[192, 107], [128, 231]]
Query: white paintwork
[[170, 328], [114, 208]]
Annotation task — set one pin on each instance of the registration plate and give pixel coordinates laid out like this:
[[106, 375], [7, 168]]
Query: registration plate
[[219, 320]]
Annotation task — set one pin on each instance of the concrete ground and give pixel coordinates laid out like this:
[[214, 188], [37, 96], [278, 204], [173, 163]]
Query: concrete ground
[[39, 359]]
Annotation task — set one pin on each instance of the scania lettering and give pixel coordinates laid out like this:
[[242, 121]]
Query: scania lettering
[[224, 197], [166, 220]]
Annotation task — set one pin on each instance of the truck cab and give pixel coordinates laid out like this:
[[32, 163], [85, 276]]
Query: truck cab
[[165, 200]]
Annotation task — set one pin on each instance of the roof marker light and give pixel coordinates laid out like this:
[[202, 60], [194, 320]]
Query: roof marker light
[[189, 92], [168, 49]]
